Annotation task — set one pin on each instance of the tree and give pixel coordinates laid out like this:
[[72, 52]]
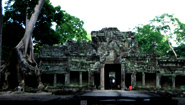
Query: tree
[[180, 50], [1, 28], [168, 27], [14, 20], [22, 60], [164, 21], [172, 25], [71, 27], [150, 39]]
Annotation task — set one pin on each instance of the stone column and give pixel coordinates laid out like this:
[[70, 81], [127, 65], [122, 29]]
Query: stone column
[[89, 78], [133, 80], [55, 80], [80, 78], [102, 82], [158, 80], [123, 76], [173, 81], [92, 79], [143, 79], [67, 78]]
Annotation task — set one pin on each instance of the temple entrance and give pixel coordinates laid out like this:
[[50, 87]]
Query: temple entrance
[[112, 76]]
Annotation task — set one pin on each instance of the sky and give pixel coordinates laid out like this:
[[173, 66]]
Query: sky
[[123, 14]]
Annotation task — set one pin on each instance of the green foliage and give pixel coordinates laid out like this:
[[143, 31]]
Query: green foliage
[[71, 27], [150, 39], [89, 37], [180, 50], [12, 33], [180, 31], [82, 63], [171, 25], [43, 31], [14, 25], [154, 35]]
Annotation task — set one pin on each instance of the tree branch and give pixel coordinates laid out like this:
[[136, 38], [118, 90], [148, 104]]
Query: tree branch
[[171, 46]]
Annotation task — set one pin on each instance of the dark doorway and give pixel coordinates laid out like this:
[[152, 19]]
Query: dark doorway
[[74, 77], [112, 76], [47, 79], [166, 82], [60, 79], [97, 80], [179, 82], [84, 78], [139, 79], [150, 80], [128, 80]]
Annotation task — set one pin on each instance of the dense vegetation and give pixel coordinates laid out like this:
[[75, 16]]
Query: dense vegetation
[[16, 12], [157, 34], [153, 36]]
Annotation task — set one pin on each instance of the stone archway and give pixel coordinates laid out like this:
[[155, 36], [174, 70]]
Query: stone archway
[[112, 62], [110, 49], [120, 70], [112, 76]]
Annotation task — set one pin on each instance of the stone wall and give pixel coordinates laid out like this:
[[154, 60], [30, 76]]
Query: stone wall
[[78, 65]]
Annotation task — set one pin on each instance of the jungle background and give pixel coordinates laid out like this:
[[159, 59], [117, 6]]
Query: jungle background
[[54, 26]]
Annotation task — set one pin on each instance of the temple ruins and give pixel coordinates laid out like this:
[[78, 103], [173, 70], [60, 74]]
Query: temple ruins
[[111, 55], [110, 61]]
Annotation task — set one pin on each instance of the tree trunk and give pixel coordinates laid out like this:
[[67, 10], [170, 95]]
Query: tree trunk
[[1, 29], [171, 46], [27, 20], [30, 27], [22, 61]]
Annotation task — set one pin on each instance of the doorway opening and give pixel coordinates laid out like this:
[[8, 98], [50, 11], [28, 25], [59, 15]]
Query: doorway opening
[[128, 80], [112, 76], [97, 80]]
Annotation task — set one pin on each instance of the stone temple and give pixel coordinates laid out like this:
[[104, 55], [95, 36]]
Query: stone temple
[[111, 55]]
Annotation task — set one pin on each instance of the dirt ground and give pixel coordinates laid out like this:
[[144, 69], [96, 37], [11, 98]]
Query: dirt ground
[[181, 101], [48, 96], [40, 96]]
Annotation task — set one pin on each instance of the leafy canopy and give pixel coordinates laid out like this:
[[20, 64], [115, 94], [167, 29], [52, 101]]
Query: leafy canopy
[[14, 25], [71, 27], [180, 50], [151, 39], [171, 26], [155, 34]]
